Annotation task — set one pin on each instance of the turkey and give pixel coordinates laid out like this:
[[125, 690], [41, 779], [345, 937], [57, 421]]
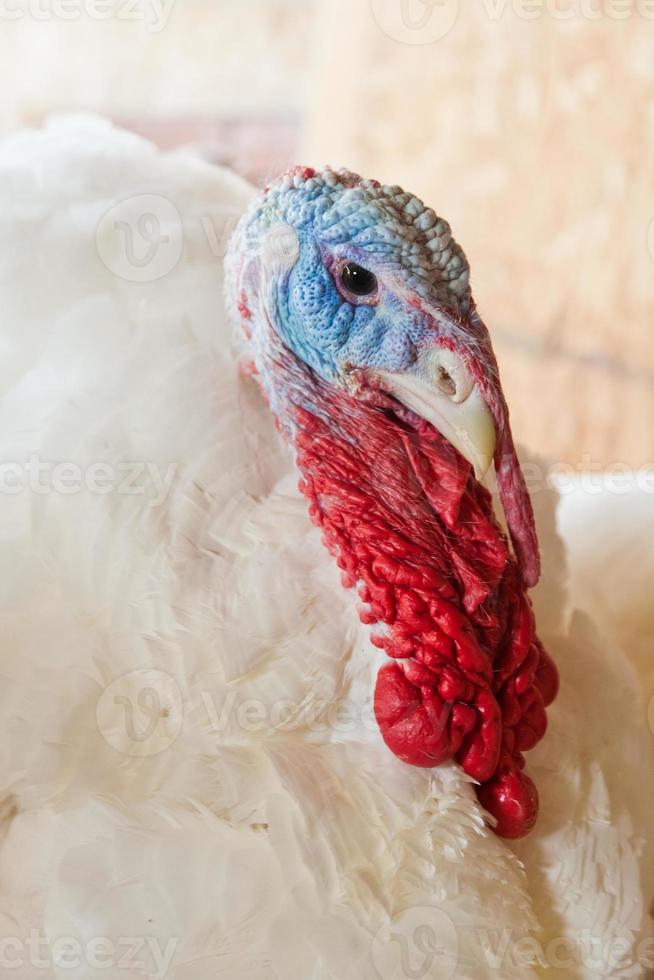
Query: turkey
[[386, 384], [198, 779]]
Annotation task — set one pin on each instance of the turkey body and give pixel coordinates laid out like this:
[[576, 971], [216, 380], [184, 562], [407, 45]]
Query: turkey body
[[190, 772]]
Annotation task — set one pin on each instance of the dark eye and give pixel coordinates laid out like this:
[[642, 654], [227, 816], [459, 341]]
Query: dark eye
[[357, 280]]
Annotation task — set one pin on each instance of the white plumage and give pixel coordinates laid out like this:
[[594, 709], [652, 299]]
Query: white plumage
[[188, 760]]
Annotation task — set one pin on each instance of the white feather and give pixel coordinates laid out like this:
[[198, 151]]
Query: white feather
[[249, 823]]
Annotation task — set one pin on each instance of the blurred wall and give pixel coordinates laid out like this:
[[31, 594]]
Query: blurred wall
[[229, 77], [530, 127], [155, 56]]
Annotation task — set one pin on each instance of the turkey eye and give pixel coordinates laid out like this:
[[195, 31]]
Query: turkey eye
[[357, 280]]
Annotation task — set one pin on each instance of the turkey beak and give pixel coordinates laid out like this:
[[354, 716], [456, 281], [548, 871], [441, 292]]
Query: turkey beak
[[442, 391]]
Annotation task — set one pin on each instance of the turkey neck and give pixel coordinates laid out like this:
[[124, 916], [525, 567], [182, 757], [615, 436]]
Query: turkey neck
[[414, 532]]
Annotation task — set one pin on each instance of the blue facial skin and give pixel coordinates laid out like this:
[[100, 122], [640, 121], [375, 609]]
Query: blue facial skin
[[379, 229], [328, 332], [423, 299]]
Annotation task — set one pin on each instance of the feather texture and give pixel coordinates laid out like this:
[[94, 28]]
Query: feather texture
[[189, 760]]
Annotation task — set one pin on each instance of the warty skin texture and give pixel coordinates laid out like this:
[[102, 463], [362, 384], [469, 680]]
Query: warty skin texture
[[467, 678]]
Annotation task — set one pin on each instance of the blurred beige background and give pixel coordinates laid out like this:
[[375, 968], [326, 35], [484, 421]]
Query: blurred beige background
[[529, 125], [229, 78]]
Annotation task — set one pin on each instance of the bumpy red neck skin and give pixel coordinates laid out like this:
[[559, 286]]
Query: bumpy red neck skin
[[414, 532]]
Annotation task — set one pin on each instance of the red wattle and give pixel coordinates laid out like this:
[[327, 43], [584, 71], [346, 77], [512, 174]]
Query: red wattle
[[413, 720], [512, 799], [414, 532]]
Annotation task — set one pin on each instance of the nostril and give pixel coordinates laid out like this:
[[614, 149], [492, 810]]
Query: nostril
[[445, 381], [448, 373]]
